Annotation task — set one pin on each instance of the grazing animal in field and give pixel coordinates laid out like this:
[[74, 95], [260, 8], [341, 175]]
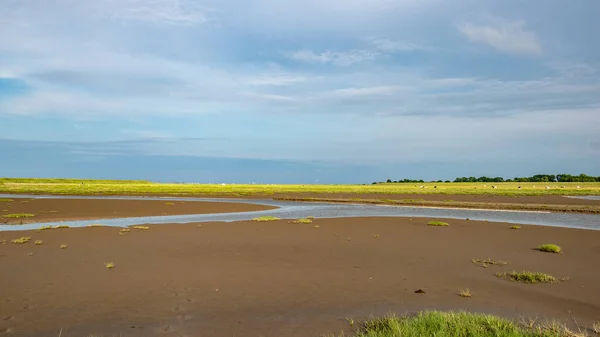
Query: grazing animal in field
[[519, 187], [421, 186], [547, 187], [434, 186], [494, 186]]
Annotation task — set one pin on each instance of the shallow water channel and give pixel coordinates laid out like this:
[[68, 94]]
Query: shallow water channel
[[294, 210]]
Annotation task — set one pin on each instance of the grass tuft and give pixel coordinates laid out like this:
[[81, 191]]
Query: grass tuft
[[375, 236], [169, 203], [109, 265], [438, 223], [528, 277], [63, 226], [549, 248], [96, 225], [18, 215], [451, 324], [465, 293], [6, 200], [487, 262], [144, 228], [43, 228], [596, 327], [63, 246], [265, 218], [515, 227], [21, 240], [124, 230], [316, 226], [303, 220], [39, 242]]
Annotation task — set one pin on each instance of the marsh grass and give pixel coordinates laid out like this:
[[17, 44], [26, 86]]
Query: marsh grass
[[6, 200], [529, 277], [21, 240], [38, 242], [109, 265], [549, 248], [438, 223], [144, 228], [515, 227], [303, 220], [265, 218], [63, 246], [596, 327], [465, 293], [124, 230], [18, 215], [456, 324], [316, 226], [44, 228], [96, 225], [489, 262], [169, 204]]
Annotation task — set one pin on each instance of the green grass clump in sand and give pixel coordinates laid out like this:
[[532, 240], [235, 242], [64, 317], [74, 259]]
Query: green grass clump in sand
[[528, 277], [109, 265], [144, 228], [454, 324], [265, 218], [5, 200], [438, 223], [18, 215], [486, 263], [39, 242], [304, 220], [465, 293], [21, 240], [515, 227], [549, 248], [169, 203]]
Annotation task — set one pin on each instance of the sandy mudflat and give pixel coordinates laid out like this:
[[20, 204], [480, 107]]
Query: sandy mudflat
[[283, 279], [80, 209], [540, 199]]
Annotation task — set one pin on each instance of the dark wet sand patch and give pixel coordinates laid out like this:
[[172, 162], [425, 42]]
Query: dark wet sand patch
[[81, 209]]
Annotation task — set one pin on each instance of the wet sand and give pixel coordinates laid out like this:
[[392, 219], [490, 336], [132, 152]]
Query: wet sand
[[82, 209], [282, 279], [541, 199]]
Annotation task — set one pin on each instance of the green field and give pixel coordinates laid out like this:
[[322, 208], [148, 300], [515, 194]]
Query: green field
[[112, 187]]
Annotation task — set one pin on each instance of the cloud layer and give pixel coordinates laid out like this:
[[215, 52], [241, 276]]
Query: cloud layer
[[336, 81]]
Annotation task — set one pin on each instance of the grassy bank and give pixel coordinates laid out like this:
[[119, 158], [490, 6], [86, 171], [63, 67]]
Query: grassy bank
[[109, 187], [456, 324], [592, 209]]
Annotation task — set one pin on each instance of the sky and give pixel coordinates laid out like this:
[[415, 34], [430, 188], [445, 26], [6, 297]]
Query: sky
[[294, 91]]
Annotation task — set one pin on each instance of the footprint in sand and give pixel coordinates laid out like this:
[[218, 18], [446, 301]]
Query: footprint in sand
[[189, 300], [183, 317], [6, 331], [27, 307], [7, 318]]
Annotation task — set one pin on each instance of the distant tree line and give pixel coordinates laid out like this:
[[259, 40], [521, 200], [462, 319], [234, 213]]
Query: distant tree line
[[563, 178]]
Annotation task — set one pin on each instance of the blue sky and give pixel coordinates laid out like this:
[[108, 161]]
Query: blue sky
[[298, 91]]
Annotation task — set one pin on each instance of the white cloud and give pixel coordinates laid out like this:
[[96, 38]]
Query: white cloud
[[169, 12], [277, 80], [368, 91], [509, 37], [337, 58], [397, 46]]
